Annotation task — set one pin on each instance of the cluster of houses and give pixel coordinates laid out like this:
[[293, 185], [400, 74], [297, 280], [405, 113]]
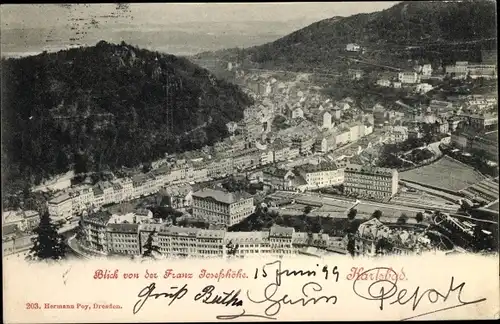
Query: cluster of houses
[[408, 79], [462, 69]]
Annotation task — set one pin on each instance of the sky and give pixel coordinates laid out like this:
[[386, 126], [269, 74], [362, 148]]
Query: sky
[[49, 15], [175, 28]]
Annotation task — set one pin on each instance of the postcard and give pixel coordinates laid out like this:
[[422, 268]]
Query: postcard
[[194, 162]]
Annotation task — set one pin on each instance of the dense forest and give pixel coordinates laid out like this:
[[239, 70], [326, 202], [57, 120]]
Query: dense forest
[[423, 30], [105, 107]]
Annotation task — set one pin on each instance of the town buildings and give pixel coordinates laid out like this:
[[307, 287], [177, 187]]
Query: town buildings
[[219, 207], [22, 220], [472, 140], [480, 122], [173, 241], [370, 182]]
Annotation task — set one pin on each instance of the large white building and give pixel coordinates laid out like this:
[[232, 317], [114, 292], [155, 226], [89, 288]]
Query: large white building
[[408, 77], [370, 182], [61, 207], [219, 207]]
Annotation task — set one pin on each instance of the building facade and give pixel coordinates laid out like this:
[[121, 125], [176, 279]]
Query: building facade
[[322, 175], [61, 207], [370, 182], [219, 207]]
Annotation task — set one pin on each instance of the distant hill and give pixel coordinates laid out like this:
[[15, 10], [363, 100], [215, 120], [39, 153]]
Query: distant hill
[[386, 35], [104, 107]]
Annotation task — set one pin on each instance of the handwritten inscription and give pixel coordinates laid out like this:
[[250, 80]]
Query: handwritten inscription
[[294, 273], [275, 295], [386, 292], [275, 303], [208, 296], [148, 292]]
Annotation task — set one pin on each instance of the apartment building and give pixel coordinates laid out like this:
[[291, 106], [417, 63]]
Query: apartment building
[[355, 74], [94, 229], [324, 174], [178, 197], [352, 47], [303, 143], [281, 151], [277, 178], [117, 192], [487, 71], [423, 88], [460, 68], [479, 121], [98, 197], [220, 167], [266, 157], [396, 134], [426, 70], [384, 83], [321, 145], [219, 207], [123, 238], [61, 207], [247, 159], [408, 77], [370, 182], [128, 188]]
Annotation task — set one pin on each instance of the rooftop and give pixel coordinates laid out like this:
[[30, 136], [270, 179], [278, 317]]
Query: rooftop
[[246, 237], [222, 196], [60, 199], [123, 228], [281, 231], [369, 169], [9, 229], [178, 190], [322, 166]]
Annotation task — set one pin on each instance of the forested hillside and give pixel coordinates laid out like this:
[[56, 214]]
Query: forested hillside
[[104, 107], [391, 36]]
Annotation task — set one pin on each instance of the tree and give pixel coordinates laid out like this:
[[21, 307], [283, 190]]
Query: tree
[[150, 246], [377, 214], [48, 244], [307, 209], [352, 213], [317, 225], [419, 217], [402, 219]]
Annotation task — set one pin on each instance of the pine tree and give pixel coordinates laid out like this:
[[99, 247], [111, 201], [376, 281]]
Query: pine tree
[[150, 246], [48, 244]]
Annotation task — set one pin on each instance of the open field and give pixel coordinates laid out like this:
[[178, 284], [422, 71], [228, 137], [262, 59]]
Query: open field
[[445, 173]]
